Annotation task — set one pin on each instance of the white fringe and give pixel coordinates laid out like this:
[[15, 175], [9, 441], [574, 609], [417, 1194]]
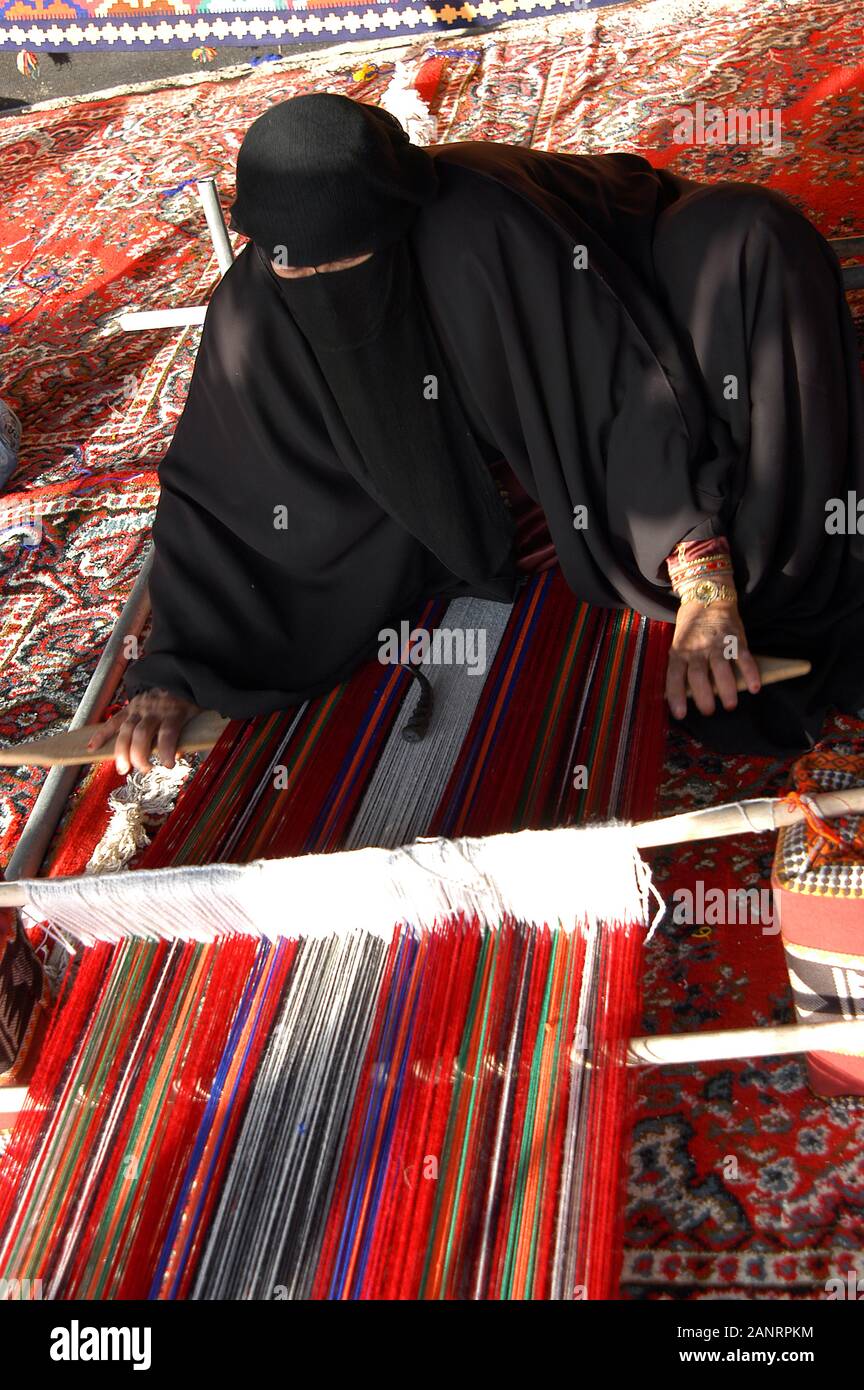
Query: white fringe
[[572, 876]]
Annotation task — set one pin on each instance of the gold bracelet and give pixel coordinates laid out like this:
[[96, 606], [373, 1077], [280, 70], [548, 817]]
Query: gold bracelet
[[683, 583], [694, 568], [707, 591]]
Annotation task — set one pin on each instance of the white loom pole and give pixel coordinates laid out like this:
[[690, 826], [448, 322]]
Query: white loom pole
[[162, 318], [735, 1044], [216, 223], [743, 817], [12, 1100], [673, 1050], [736, 817], [193, 316]]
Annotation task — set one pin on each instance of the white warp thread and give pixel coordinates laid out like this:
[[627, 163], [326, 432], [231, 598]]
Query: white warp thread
[[409, 780], [572, 876]]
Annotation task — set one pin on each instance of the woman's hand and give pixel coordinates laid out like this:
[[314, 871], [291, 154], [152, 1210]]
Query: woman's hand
[[708, 639], [155, 716]]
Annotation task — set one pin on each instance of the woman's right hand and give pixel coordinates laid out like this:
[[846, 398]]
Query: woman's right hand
[[155, 716], [708, 639]]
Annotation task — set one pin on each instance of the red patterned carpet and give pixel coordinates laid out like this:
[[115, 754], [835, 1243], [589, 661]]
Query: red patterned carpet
[[96, 215]]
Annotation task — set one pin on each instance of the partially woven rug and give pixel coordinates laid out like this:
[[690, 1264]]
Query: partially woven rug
[[107, 183]]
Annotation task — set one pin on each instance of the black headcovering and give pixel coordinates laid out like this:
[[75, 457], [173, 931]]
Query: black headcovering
[[328, 178]]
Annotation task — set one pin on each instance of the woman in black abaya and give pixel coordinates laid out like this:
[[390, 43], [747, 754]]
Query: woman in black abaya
[[668, 369]]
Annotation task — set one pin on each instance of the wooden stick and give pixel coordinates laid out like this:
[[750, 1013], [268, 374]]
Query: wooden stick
[[733, 1044], [742, 817], [776, 668], [209, 196], [68, 748], [162, 318]]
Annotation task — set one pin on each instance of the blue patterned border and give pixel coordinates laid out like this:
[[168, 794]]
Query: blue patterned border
[[247, 24]]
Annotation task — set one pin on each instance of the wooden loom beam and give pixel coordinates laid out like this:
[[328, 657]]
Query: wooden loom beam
[[737, 1044]]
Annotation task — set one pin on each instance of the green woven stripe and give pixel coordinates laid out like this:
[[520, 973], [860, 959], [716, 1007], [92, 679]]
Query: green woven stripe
[[528, 1134], [462, 1068]]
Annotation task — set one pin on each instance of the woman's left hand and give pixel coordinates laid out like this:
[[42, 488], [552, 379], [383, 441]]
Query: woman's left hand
[[708, 640]]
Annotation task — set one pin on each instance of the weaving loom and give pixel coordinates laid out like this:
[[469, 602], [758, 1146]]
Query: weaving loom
[[372, 1114], [257, 1087]]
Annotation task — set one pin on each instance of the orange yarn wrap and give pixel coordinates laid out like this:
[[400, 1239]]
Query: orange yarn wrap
[[841, 837]]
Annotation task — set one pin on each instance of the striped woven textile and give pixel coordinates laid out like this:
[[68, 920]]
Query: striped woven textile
[[415, 1123], [569, 687], [434, 1115]]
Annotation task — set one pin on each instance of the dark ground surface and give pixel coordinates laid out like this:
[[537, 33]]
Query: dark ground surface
[[78, 73]]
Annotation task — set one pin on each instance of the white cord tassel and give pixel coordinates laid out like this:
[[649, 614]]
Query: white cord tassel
[[145, 799], [403, 101]]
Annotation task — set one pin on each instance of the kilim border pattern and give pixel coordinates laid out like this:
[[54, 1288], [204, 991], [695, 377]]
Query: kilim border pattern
[[61, 26]]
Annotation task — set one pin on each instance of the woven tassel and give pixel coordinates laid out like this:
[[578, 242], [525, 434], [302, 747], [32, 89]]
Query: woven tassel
[[404, 102], [145, 798], [27, 63]]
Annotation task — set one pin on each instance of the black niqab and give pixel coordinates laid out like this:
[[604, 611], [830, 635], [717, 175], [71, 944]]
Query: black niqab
[[384, 380]]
